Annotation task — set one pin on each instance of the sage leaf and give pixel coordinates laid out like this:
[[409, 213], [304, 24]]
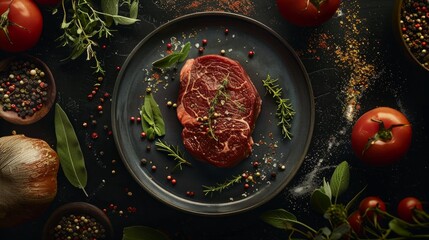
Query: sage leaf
[[399, 228], [326, 188], [134, 9], [340, 179], [279, 218], [70, 154], [173, 58], [109, 7], [319, 201], [152, 120], [143, 233], [121, 20]]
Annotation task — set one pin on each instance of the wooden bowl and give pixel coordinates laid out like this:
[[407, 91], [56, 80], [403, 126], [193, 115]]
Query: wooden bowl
[[397, 28], [12, 116], [77, 208]]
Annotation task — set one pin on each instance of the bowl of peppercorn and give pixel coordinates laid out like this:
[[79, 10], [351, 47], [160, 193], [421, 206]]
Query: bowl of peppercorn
[[78, 220], [411, 26], [27, 89]]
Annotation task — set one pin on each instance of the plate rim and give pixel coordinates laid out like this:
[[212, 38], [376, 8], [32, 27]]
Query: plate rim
[[184, 201]]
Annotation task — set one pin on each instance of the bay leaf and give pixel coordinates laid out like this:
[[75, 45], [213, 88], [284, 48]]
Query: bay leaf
[[152, 120], [143, 233], [68, 148]]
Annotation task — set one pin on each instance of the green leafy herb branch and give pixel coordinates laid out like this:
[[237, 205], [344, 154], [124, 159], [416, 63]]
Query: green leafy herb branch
[[84, 23], [374, 223]]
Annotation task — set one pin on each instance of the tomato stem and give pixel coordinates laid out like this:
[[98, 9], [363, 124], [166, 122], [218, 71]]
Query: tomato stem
[[316, 3], [5, 23], [384, 134]]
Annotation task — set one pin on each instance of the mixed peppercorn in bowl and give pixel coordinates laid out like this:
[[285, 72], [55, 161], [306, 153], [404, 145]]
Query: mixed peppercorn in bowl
[[411, 18], [27, 89]]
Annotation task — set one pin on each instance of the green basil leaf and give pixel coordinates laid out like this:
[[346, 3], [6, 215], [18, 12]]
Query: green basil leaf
[[185, 51], [143, 233], [173, 58], [69, 151], [279, 218], [167, 61], [320, 201], [152, 120], [340, 179], [134, 9], [121, 20], [157, 117], [326, 188], [110, 6]]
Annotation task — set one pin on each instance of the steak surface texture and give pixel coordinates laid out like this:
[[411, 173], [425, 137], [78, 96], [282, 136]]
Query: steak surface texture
[[218, 106]]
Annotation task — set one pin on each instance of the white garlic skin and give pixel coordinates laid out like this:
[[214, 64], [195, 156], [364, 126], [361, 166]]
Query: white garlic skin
[[28, 178]]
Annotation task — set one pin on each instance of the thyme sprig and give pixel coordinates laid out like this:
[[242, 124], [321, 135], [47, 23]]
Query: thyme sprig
[[221, 91], [285, 111], [172, 152], [82, 24], [219, 187]]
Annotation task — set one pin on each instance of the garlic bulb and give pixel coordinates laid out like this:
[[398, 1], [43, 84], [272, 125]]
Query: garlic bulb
[[28, 178]]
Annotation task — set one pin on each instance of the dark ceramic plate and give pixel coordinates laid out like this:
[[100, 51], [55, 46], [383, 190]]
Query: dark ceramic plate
[[272, 56]]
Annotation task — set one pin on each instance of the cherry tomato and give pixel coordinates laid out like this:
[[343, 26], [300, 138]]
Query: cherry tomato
[[48, 2], [381, 136], [307, 13], [355, 222], [407, 206], [20, 25], [367, 207]]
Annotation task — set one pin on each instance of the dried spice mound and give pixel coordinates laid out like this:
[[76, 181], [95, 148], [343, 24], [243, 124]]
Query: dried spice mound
[[245, 7], [79, 227]]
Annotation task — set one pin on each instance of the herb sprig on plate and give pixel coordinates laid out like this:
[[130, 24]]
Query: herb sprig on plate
[[172, 152], [173, 58], [285, 111]]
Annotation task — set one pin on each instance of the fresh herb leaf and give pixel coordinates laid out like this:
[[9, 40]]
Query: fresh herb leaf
[[319, 201], [152, 120], [173, 58], [219, 187], [340, 179], [143, 233], [279, 218], [172, 152], [399, 228], [69, 151], [285, 112]]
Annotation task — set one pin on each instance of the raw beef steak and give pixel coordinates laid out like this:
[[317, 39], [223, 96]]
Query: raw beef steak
[[217, 106]]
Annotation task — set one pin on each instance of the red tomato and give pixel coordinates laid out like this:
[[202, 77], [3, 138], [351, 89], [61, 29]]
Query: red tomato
[[48, 2], [381, 136], [23, 22], [308, 12], [407, 206], [368, 205], [355, 222]]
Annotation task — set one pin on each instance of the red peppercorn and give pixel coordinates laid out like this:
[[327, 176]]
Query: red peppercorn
[[90, 96], [204, 42], [118, 68], [143, 134], [139, 119], [200, 50], [153, 168], [226, 31], [169, 46], [100, 108], [169, 177], [173, 181], [255, 164], [251, 53], [94, 135], [103, 46], [132, 119], [246, 185]]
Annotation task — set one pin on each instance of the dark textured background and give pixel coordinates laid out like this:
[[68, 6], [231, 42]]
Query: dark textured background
[[397, 84]]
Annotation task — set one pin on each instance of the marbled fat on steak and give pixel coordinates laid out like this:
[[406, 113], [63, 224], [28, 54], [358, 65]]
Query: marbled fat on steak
[[218, 106]]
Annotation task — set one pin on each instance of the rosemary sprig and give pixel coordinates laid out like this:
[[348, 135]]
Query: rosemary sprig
[[172, 152], [83, 23], [285, 111], [219, 187]]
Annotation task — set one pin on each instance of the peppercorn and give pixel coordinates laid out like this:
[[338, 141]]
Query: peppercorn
[[23, 88], [75, 226]]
